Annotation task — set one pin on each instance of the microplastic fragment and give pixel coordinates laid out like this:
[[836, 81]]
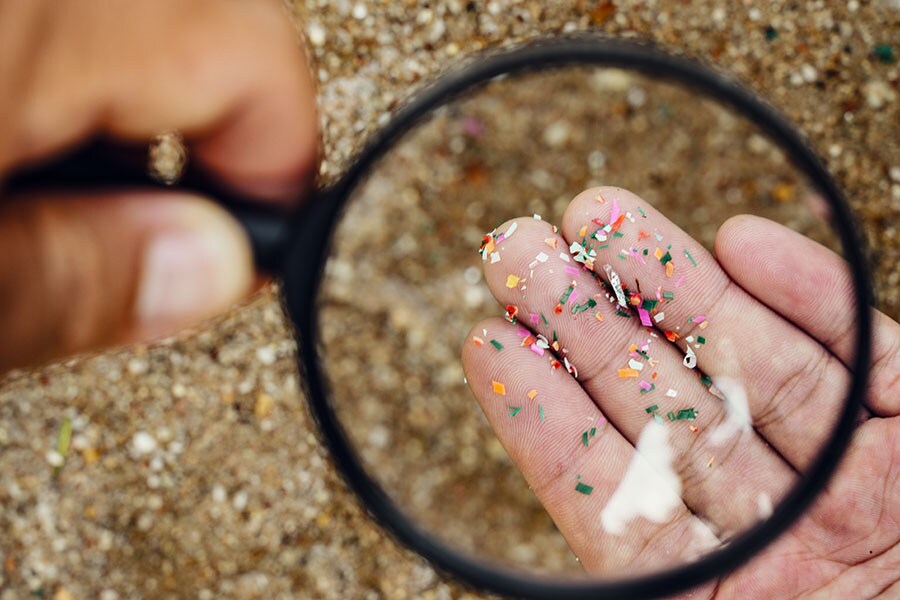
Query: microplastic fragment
[[669, 295], [616, 284], [623, 313], [658, 317], [690, 359], [635, 364], [649, 304], [688, 254], [537, 217], [645, 317], [541, 257], [672, 393], [564, 256], [534, 318], [648, 390], [626, 373], [537, 349], [541, 411], [477, 340], [652, 409], [511, 230], [514, 410], [532, 394], [670, 269], [552, 242], [584, 438], [687, 414], [512, 281], [665, 258], [614, 213], [701, 339], [645, 385], [495, 257], [544, 319], [584, 489], [497, 345], [710, 462], [566, 294], [641, 210], [499, 388]]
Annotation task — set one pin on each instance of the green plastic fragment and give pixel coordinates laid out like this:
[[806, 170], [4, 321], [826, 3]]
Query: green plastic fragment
[[641, 210], [669, 295], [701, 339], [688, 254], [666, 257], [584, 488], [652, 409], [652, 387], [884, 53], [566, 294], [649, 304], [544, 319], [584, 438], [541, 411], [618, 234], [623, 313], [497, 345]]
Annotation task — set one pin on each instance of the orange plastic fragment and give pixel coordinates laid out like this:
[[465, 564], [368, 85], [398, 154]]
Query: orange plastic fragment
[[499, 388], [626, 373]]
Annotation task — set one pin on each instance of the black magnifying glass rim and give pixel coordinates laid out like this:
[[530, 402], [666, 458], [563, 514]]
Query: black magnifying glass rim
[[309, 250]]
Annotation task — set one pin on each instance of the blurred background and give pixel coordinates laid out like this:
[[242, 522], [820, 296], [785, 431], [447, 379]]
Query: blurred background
[[194, 468]]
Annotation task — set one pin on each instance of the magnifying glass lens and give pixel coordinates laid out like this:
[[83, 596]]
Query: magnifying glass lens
[[554, 347]]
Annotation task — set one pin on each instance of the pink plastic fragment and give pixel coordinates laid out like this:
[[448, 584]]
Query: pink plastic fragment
[[537, 349], [615, 211], [679, 282], [523, 333], [535, 318], [645, 385], [572, 270], [645, 317]]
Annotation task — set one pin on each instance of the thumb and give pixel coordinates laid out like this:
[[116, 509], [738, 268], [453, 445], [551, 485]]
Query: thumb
[[80, 272]]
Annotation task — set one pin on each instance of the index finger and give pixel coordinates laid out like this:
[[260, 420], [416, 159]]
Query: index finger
[[231, 77]]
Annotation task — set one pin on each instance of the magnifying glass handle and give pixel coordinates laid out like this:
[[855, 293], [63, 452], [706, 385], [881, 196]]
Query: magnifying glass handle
[[103, 165]]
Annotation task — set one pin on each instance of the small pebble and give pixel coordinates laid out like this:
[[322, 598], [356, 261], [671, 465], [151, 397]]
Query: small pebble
[[143, 443]]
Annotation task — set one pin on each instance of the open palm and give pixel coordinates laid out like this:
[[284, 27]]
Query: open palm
[[724, 372]]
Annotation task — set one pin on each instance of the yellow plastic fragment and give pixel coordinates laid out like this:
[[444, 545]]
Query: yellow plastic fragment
[[532, 394], [499, 388], [512, 281]]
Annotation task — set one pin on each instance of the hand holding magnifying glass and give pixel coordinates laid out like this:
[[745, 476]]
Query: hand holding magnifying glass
[[88, 268], [574, 437]]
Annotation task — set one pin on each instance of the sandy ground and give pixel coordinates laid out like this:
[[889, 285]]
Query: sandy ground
[[194, 468]]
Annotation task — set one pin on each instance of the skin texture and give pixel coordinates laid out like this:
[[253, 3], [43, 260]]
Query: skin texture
[[775, 305], [75, 272]]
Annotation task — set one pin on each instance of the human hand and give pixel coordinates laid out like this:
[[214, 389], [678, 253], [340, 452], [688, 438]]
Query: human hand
[[82, 270], [718, 471]]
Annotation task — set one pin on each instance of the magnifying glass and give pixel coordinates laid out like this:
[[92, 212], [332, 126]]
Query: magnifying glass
[[625, 438]]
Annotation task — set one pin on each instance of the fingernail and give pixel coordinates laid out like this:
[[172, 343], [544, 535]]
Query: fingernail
[[190, 274]]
